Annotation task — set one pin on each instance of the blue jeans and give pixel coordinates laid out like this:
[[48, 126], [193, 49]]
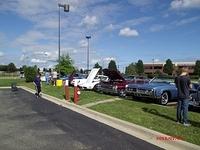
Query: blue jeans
[[182, 110]]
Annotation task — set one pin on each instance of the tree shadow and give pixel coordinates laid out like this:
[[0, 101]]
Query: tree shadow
[[155, 112]]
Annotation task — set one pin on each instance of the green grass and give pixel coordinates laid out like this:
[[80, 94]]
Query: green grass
[[7, 82], [153, 116], [85, 97]]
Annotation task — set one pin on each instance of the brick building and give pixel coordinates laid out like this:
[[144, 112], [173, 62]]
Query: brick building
[[151, 68]]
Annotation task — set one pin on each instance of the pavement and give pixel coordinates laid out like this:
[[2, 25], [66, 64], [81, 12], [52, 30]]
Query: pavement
[[121, 134], [30, 123]]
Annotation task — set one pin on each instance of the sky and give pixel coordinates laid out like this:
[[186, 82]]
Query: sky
[[120, 30]]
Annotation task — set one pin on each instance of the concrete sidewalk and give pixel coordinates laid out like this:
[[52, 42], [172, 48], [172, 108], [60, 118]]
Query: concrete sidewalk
[[145, 134], [100, 102]]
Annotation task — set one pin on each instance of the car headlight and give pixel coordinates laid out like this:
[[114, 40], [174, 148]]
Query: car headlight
[[126, 86]]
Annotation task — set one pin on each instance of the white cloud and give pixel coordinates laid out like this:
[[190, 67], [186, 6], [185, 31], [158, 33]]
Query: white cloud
[[1, 54], [29, 38], [187, 21], [34, 60], [184, 4], [83, 43], [128, 32], [89, 20]]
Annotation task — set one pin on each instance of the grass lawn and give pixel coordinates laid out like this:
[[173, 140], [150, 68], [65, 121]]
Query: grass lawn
[[85, 97], [153, 116]]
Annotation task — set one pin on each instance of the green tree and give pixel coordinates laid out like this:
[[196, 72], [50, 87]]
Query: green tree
[[140, 67], [168, 67], [11, 67], [3, 67], [130, 69], [30, 73], [197, 68], [112, 65], [98, 66], [65, 65]]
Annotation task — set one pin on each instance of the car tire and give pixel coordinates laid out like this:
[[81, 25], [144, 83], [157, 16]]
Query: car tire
[[164, 98], [122, 93]]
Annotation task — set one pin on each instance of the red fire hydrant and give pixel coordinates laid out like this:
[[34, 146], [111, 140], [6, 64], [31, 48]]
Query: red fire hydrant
[[67, 96], [77, 92]]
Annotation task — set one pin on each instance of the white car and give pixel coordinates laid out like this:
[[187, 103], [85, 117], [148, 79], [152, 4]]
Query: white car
[[95, 81]]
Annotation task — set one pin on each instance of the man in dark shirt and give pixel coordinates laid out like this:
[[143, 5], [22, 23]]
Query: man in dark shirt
[[183, 85], [37, 83]]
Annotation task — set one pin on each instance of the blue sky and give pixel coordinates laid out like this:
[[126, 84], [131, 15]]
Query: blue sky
[[123, 30]]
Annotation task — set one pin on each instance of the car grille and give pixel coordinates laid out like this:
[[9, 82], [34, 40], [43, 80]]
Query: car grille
[[131, 89]]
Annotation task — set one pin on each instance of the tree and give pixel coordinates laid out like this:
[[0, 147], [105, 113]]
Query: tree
[[30, 73], [3, 67], [130, 69], [140, 67], [11, 67], [112, 65], [197, 68], [98, 66], [168, 67], [65, 65]]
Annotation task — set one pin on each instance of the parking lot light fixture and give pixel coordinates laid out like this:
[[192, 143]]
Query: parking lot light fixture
[[66, 9]]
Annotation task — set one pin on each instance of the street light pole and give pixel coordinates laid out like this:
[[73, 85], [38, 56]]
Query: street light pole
[[88, 38], [66, 9], [153, 67]]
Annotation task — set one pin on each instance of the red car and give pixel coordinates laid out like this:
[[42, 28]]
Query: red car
[[117, 83]]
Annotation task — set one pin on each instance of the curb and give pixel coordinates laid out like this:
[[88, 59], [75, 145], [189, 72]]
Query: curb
[[140, 132]]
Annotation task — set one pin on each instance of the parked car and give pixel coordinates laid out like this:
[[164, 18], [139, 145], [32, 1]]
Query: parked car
[[91, 80], [195, 96], [93, 84], [115, 84], [160, 89], [78, 77], [137, 79]]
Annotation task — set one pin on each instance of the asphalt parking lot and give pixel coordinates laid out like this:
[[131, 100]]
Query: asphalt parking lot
[[27, 123]]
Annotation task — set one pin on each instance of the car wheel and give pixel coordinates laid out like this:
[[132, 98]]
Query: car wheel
[[164, 98], [122, 93]]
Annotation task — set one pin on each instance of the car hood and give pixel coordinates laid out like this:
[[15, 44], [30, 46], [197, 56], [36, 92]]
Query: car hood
[[149, 86], [112, 74]]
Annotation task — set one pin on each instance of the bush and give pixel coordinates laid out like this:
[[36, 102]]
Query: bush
[[30, 74]]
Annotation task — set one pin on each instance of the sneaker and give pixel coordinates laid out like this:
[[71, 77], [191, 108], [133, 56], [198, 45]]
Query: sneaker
[[178, 122], [186, 124]]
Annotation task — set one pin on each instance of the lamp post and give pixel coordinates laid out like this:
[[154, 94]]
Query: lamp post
[[88, 38], [66, 9], [153, 66]]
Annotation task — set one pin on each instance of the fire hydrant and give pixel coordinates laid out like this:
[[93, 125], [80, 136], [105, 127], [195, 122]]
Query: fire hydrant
[[67, 96], [77, 92]]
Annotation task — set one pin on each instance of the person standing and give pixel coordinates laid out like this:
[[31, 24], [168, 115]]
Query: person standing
[[183, 85], [37, 83], [54, 75]]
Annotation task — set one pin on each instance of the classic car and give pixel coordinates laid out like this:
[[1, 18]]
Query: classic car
[[136, 79], [161, 89], [115, 84], [89, 85], [195, 96]]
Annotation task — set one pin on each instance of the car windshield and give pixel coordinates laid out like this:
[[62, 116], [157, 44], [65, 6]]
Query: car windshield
[[129, 77], [162, 80]]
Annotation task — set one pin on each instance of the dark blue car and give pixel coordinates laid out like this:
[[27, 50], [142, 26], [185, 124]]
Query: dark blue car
[[162, 90]]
